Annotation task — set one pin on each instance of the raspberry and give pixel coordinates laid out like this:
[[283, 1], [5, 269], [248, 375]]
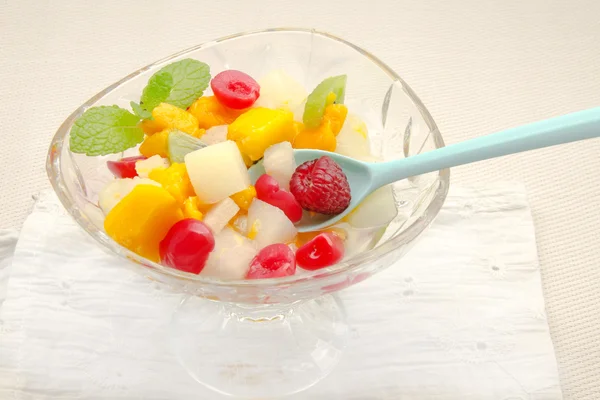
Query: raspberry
[[321, 186]]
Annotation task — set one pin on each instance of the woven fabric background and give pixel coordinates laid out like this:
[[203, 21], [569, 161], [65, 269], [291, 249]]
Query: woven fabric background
[[479, 66]]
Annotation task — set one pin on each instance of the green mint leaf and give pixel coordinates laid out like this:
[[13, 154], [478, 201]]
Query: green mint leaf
[[105, 130], [157, 90], [139, 111], [179, 84]]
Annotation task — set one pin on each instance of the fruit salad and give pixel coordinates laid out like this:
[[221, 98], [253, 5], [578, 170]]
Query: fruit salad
[[187, 201]]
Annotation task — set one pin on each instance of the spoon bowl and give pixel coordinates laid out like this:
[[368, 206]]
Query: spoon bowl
[[359, 176]]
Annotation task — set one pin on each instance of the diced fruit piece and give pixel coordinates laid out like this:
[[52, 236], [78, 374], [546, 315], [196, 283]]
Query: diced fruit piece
[[144, 167], [266, 185], [191, 208], [217, 172], [244, 198], [216, 134], [335, 114], [125, 167], [274, 261], [258, 128], [324, 136], [112, 193], [321, 186], [220, 214], [180, 143], [187, 246], [352, 141], [279, 90], [150, 126], [240, 224], [268, 190], [231, 257], [210, 112], [235, 89], [324, 250], [171, 117], [333, 88], [268, 224], [142, 219], [175, 179], [280, 164], [156, 145], [377, 210], [321, 138]]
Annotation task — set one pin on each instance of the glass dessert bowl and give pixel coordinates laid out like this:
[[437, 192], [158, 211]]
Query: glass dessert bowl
[[230, 335]]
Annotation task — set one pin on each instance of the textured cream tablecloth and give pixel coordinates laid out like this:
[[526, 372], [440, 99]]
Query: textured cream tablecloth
[[465, 322], [478, 65]]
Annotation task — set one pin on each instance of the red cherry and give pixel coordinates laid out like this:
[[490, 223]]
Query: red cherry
[[268, 190], [235, 89], [266, 185], [125, 167], [274, 261], [323, 250], [187, 246]]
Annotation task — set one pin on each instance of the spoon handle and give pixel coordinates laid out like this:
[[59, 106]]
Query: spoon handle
[[564, 129]]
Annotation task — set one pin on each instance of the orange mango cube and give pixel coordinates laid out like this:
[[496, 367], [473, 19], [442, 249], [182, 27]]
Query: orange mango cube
[[209, 112], [170, 117], [142, 219], [156, 144], [175, 179], [244, 198]]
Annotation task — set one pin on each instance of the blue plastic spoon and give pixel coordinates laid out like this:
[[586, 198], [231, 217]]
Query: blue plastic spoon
[[364, 177]]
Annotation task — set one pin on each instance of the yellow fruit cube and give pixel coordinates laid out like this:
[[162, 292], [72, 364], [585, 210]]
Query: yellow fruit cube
[[142, 219], [336, 115], [175, 179], [258, 128], [191, 208], [321, 138], [156, 144], [209, 112], [170, 117], [244, 198], [150, 126]]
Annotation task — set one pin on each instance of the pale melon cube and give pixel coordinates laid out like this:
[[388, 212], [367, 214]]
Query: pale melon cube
[[217, 172], [220, 214], [268, 225], [352, 141], [143, 167], [115, 190], [231, 257], [280, 164], [377, 210], [214, 135], [280, 90], [240, 224]]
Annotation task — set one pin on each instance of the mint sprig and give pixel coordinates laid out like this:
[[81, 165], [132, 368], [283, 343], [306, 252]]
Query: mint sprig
[[105, 130], [111, 129], [179, 83]]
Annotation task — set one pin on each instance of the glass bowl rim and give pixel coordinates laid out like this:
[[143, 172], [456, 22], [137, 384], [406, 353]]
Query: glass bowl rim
[[55, 175]]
